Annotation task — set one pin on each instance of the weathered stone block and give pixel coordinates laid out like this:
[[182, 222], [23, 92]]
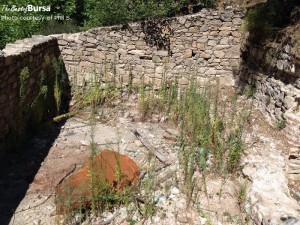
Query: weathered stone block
[[224, 28], [130, 47], [156, 59], [237, 21], [122, 51], [137, 52], [68, 51], [212, 42], [204, 28], [193, 30], [181, 20], [161, 53], [211, 71], [219, 54], [82, 37], [188, 53], [290, 102], [62, 42]]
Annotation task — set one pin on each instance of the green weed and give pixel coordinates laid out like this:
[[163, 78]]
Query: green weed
[[280, 124]]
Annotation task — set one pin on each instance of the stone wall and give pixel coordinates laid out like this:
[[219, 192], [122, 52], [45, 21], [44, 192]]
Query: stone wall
[[206, 44], [16, 110], [274, 74]]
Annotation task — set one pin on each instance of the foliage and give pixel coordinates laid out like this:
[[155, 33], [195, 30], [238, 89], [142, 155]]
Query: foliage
[[209, 134], [106, 12], [263, 20], [56, 27], [12, 29], [77, 15], [37, 102], [280, 124]]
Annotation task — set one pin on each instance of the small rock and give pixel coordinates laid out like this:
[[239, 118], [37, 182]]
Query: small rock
[[151, 135], [84, 142], [172, 197], [138, 143], [247, 207], [159, 198], [174, 191], [163, 119], [188, 53], [37, 222], [182, 219], [181, 204], [203, 220], [156, 219]]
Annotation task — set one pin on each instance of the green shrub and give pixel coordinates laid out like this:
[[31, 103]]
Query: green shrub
[[280, 124], [209, 127], [264, 20], [106, 12], [81, 15], [56, 27]]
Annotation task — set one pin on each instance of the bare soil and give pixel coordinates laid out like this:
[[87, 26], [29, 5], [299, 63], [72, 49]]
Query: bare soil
[[28, 177]]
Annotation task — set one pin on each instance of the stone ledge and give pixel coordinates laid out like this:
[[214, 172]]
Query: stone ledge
[[25, 45]]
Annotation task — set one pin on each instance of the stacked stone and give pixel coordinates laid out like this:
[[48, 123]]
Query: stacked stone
[[294, 163], [273, 71], [293, 128], [206, 44], [293, 135], [272, 95], [14, 58]]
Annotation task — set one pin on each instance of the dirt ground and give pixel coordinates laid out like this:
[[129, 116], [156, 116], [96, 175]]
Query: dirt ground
[[28, 177]]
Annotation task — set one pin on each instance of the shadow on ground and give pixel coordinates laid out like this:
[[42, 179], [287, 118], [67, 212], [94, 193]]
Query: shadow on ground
[[18, 169]]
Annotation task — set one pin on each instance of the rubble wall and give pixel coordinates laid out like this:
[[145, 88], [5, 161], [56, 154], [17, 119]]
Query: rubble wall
[[273, 73], [206, 44], [19, 92]]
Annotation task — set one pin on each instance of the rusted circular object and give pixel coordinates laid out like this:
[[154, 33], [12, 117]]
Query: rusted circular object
[[111, 172]]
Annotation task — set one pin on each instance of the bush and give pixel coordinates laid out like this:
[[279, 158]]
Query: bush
[[106, 12], [86, 14], [264, 20]]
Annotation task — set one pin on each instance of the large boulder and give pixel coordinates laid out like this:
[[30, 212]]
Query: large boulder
[[109, 172]]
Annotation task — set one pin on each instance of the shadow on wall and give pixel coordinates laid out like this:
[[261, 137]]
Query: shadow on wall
[[267, 47], [158, 33], [40, 93], [20, 164]]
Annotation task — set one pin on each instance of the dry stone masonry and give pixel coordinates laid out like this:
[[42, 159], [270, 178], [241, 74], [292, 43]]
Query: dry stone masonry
[[273, 72], [206, 44], [14, 58], [274, 75]]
